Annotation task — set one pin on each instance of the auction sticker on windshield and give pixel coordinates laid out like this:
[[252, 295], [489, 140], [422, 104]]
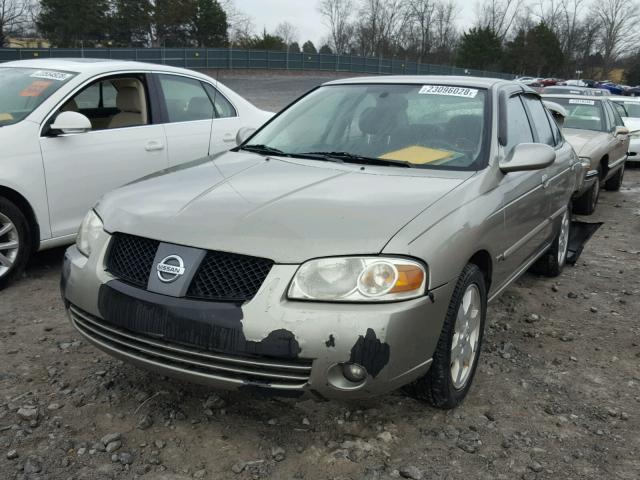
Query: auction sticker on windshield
[[450, 91], [51, 75], [579, 101]]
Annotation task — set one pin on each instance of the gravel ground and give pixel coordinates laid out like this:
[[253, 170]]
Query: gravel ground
[[557, 394]]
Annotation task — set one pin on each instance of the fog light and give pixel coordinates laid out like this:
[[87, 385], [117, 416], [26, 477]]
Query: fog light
[[353, 372]]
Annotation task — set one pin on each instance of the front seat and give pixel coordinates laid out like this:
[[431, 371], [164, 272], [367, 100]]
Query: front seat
[[129, 103]]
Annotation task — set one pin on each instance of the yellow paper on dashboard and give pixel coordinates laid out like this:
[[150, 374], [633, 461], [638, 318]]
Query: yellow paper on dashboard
[[6, 117], [418, 155]]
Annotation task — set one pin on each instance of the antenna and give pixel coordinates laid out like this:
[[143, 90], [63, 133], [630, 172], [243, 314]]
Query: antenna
[[214, 111]]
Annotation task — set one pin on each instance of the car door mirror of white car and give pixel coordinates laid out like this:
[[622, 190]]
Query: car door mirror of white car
[[528, 156], [71, 122], [243, 134], [621, 131]]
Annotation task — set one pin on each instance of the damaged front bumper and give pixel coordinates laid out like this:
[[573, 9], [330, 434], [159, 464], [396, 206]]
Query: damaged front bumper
[[269, 344]]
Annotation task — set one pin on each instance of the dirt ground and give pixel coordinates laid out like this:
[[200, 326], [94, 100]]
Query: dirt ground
[[557, 394]]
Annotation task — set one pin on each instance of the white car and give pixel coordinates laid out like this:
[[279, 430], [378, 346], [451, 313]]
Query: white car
[[629, 109], [73, 129]]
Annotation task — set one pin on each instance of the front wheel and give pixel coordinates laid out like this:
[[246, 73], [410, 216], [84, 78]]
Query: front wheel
[[587, 202], [456, 357], [14, 242]]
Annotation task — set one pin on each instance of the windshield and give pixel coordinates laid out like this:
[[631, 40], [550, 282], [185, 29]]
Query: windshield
[[22, 90], [632, 108], [425, 126], [582, 113]]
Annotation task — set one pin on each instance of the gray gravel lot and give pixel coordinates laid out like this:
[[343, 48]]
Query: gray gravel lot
[[557, 393]]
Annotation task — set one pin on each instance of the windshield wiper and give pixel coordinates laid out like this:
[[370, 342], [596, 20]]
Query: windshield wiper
[[263, 150], [361, 159]]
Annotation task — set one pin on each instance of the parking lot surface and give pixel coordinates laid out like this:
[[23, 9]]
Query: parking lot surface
[[557, 393]]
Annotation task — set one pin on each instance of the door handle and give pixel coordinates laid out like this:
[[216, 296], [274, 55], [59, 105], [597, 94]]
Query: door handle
[[153, 146], [229, 138], [545, 181]]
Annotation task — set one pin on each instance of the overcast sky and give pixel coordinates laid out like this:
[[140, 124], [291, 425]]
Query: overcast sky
[[304, 15]]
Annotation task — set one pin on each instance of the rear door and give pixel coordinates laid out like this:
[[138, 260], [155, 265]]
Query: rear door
[[189, 114], [620, 142], [226, 123]]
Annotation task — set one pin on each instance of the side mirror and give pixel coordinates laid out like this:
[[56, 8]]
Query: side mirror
[[71, 122], [243, 134], [621, 131], [528, 156]]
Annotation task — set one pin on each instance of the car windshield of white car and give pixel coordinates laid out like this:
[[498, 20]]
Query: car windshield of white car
[[423, 126], [582, 113], [22, 90]]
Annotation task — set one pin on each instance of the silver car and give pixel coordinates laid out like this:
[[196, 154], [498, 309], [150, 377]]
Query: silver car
[[596, 130], [347, 248]]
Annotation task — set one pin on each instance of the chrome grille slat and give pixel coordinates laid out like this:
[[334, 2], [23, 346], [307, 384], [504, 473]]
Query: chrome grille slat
[[210, 356], [218, 366]]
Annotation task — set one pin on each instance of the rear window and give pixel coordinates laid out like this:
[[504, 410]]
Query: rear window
[[22, 90], [632, 108]]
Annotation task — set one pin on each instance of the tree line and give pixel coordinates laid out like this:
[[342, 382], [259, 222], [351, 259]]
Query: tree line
[[524, 37]]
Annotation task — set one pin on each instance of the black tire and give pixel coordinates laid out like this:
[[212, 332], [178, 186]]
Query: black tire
[[615, 182], [586, 203], [8, 210], [437, 386], [552, 263]]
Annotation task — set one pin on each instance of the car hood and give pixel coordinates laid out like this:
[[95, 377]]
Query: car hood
[[283, 209], [584, 142]]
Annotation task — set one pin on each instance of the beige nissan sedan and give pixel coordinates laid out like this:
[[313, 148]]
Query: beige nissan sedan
[[595, 129], [347, 248]]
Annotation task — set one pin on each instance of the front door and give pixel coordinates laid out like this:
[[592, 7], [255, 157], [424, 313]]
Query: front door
[[122, 146]]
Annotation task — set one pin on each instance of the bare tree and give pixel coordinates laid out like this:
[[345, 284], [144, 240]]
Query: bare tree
[[618, 25], [337, 16], [287, 32], [12, 17], [241, 26], [445, 33], [499, 15], [420, 19]]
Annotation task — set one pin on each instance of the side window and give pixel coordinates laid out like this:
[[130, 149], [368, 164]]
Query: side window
[[609, 113], [186, 99], [539, 120], [518, 128], [223, 107], [117, 102], [557, 134], [618, 113]]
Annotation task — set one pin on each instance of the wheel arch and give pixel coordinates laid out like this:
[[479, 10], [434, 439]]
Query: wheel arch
[[25, 207], [482, 260], [604, 166]]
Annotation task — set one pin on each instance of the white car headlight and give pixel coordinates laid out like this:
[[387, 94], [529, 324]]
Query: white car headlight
[[359, 279], [89, 230]]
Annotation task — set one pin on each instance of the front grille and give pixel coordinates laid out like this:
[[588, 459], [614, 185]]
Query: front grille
[[229, 277], [131, 258], [177, 359], [222, 277]]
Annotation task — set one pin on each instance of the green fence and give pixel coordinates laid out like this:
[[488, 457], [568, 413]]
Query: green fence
[[227, 58]]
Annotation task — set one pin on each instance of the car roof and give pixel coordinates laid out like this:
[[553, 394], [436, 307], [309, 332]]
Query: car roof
[[92, 65], [624, 98], [580, 97], [473, 82]]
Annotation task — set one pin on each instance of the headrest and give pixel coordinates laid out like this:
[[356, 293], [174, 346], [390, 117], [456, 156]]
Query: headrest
[[128, 100], [386, 115]]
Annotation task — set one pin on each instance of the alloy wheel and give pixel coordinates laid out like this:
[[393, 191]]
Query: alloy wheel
[[466, 336], [563, 239], [9, 244]]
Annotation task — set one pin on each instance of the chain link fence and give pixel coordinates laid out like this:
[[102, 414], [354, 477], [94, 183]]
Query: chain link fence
[[230, 59]]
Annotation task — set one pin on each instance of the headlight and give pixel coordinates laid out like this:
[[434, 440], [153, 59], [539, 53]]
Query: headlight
[[359, 279], [586, 163], [88, 233]]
